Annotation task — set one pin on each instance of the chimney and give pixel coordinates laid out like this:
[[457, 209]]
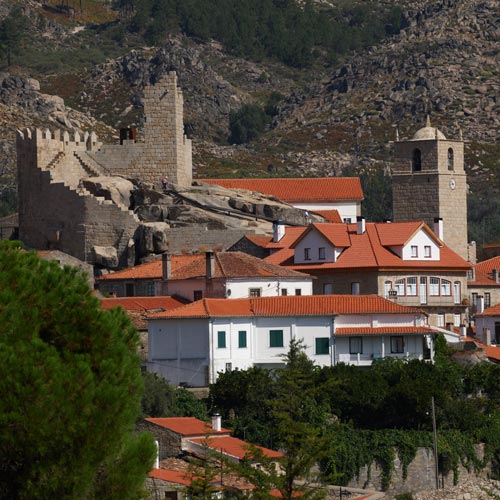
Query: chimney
[[480, 304], [166, 266], [278, 230], [157, 458], [216, 422], [360, 225], [486, 336], [210, 264], [494, 273], [463, 330], [438, 227]]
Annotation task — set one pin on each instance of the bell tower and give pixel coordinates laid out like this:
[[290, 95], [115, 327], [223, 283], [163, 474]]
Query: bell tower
[[429, 182]]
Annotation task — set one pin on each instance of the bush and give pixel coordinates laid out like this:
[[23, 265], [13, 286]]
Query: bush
[[247, 124]]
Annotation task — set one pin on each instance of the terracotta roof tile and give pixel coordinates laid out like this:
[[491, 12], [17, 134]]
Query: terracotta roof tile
[[295, 190], [172, 476], [336, 234], [367, 252], [259, 240], [187, 426], [484, 272], [398, 233], [401, 330], [304, 305], [291, 234], [234, 447], [330, 215], [491, 311], [143, 304], [226, 265]]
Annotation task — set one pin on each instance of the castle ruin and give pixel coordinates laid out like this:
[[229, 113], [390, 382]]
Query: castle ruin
[[57, 211]]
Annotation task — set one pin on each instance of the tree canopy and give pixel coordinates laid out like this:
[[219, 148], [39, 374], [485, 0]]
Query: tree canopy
[[70, 387]]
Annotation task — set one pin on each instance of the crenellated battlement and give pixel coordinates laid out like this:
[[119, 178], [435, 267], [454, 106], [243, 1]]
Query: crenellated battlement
[[58, 139]]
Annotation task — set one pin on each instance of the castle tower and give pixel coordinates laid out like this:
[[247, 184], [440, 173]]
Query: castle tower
[[429, 182], [164, 131]]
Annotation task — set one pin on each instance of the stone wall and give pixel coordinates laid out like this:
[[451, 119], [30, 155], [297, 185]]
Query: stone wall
[[169, 442], [196, 237], [421, 475]]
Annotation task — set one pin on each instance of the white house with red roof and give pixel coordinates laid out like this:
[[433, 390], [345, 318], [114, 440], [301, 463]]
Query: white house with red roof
[[404, 261], [213, 274], [343, 194], [191, 344]]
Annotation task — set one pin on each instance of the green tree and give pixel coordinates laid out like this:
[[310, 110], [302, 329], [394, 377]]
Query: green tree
[[247, 123], [70, 387], [13, 30]]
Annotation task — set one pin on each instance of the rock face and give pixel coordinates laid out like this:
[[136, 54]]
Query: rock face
[[116, 189]]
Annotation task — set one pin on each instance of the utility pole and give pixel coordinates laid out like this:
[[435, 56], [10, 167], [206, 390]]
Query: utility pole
[[434, 432]]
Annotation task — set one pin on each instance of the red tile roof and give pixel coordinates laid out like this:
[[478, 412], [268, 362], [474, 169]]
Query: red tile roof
[[304, 305], [226, 265], [336, 234], [320, 190], [291, 234], [172, 476], [143, 304], [396, 330], [399, 233], [234, 447], [187, 426], [329, 215], [366, 251], [484, 272], [491, 311]]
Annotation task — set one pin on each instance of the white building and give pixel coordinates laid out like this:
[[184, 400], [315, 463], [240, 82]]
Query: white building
[[191, 344], [343, 194]]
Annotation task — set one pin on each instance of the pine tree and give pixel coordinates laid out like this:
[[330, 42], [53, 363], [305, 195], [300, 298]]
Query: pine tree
[[70, 387]]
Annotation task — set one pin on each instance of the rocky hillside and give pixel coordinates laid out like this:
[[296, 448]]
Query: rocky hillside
[[331, 118]]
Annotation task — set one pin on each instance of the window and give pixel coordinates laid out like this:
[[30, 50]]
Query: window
[[487, 299], [456, 292], [347, 220], [150, 289], [416, 163], [327, 288], [397, 345], [414, 251], [387, 288], [411, 286], [456, 319], [321, 253], [284, 291], [276, 338], [356, 345], [355, 288], [242, 339], [440, 320], [129, 289], [298, 291], [434, 287], [322, 345], [474, 298], [254, 292], [470, 275], [445, 287], [399, 286], [423, 290], [221, 340], [197, 295], [427, 251], [307, 254], [229, 367], [450, 159]]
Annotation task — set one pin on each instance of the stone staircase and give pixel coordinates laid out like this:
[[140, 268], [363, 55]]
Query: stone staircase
[[89, 165]]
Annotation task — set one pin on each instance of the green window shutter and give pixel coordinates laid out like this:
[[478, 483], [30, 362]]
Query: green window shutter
[[276, 338], [242, 339], [322, 345], [221, 340]]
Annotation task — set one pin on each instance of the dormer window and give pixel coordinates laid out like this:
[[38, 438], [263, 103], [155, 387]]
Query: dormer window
[[414, 251], [450, 159], [416, 162], [307, 254], [427, 251], [321, 253]]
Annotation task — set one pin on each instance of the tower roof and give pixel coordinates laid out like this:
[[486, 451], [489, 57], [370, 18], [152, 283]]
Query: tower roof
[[428, 133]]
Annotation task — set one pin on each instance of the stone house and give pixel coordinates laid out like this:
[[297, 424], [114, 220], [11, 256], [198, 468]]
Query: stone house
[[326, 194], [213, 274], [484, 282], [406, 262], [193, 343]]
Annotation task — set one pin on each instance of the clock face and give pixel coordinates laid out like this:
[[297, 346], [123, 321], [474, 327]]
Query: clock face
[[453, 184]]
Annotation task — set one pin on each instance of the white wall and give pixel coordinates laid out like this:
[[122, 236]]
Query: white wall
[[270, 287], [420, 240], [346, 209], [314, 240], [483, 322]]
